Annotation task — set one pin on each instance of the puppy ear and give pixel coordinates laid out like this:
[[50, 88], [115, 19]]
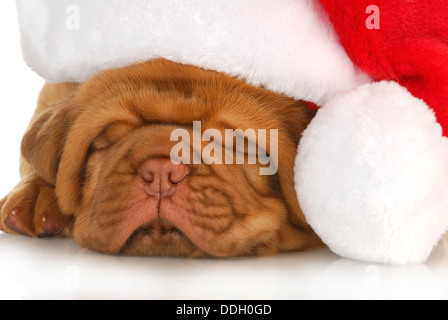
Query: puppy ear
[[296, 118], [93, 118], [44, 141]]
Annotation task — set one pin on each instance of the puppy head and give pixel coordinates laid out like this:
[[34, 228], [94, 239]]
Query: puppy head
[[110, 146]]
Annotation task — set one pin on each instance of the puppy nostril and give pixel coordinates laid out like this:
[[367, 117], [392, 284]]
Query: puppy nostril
[[147, 176], [173, 179], [161, 176], [177, 176]]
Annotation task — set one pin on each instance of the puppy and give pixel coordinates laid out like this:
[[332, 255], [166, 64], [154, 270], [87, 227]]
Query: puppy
[[97, 167]]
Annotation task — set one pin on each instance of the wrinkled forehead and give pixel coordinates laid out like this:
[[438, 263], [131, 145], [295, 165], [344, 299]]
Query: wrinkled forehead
[[163, 91]]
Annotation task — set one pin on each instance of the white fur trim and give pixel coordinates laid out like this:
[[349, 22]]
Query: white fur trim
[[288, 46], [372, 175]]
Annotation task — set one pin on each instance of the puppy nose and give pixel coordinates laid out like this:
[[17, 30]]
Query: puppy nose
[[161, 176]]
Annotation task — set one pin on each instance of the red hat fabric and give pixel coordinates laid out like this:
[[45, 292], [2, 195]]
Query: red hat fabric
[[408, 44]]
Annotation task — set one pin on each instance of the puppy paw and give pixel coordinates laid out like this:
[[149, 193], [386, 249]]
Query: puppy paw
[[31, 210]]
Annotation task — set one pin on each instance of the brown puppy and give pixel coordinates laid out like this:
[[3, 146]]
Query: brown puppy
[[96, 167]]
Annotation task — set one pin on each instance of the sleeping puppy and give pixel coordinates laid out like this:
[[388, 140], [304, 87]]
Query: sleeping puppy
[[96, 166]]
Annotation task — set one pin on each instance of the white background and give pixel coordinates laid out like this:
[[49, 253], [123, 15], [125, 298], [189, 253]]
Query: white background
[[59, 269]]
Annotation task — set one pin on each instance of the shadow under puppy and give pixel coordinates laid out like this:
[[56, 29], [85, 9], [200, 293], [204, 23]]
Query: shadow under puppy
[[96, 167]]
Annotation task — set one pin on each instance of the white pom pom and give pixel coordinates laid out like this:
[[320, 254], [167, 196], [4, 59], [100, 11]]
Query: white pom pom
[[372, 175]]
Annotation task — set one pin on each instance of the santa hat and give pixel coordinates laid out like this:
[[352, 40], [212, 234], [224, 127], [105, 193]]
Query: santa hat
[[372, 168]]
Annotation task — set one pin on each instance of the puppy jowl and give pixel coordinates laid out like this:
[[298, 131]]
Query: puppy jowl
[[236, 146]]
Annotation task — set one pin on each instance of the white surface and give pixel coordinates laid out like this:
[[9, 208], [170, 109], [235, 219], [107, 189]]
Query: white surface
[[58, 269]]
